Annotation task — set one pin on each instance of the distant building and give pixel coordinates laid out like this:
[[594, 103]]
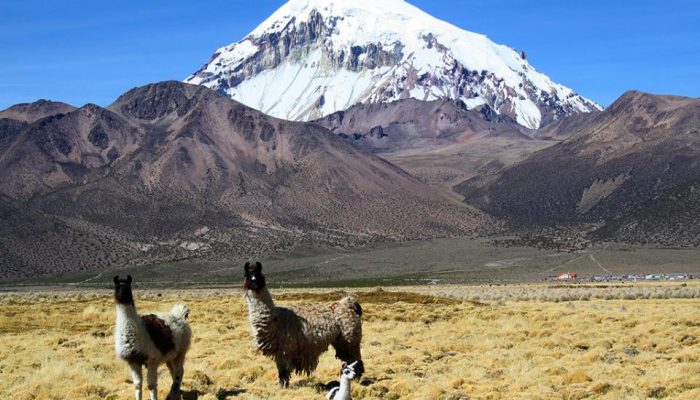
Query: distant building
[[567, 276]]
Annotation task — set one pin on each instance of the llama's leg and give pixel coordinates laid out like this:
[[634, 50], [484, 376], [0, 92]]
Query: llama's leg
[[177, 370], [153, 380], [171, 368], [136, 377], [283, 373]]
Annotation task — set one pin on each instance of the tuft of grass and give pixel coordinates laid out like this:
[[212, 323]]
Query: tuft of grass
[[377, 296], [578, 376]]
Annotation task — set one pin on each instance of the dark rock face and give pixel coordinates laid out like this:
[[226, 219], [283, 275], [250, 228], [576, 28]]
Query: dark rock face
[[50, 136], [267, 132], [9, 128], [156, 101], [377, 132], [623, 169], [98, 137], [173, 171]]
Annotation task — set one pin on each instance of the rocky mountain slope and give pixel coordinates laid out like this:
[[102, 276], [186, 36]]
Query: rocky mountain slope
[[19, 116], [30, 112], [414, 124], [172, 171], [440, 141], [631, 170], [312, 58]]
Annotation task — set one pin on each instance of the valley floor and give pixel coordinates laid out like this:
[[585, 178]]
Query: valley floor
[[441, 261], [419, 343]]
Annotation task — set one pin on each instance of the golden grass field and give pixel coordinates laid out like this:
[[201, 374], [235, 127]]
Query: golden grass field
[[58, 345]]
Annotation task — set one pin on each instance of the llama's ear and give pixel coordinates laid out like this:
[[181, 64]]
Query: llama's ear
[[128, 279], [258, 266], [116, 279], [343, 365], [246, 267]]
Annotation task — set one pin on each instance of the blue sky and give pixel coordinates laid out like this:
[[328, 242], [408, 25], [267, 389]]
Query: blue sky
[[81, 51]]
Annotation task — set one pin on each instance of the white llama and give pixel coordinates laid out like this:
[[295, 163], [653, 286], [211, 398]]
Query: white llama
[[343, 392], [150, 340]]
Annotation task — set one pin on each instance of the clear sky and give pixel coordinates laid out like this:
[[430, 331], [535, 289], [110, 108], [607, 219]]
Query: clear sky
[[81, 51]]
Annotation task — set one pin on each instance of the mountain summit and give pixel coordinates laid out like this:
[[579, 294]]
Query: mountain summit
[[314, 57]]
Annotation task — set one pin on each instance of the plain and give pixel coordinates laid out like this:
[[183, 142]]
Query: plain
[[419, 343]]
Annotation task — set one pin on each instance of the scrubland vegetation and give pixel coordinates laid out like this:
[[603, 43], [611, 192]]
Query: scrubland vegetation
[[443, 342], [565, 292]]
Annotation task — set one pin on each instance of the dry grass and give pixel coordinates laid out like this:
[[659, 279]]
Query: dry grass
[[564, 292], [59, 346]]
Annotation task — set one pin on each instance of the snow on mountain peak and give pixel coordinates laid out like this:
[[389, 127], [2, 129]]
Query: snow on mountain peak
[[301, 10], [311, 58]]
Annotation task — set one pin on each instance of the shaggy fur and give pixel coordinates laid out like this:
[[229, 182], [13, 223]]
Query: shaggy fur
[[343, 392], [295, 337], [150, 340]]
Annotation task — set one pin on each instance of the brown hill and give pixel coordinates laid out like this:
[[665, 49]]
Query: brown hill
[[672, 219], [17, 117], [174, 171], [566, 127], [30, 112], [622, 167], [442, 142], [414, 124]]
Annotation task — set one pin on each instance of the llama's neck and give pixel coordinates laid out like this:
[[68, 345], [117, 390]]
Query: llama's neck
[[130, 333], [344, 390], [127, 316], [260, 309], [259, 302]]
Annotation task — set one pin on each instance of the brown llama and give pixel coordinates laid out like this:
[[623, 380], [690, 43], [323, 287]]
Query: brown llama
[[295, 337]]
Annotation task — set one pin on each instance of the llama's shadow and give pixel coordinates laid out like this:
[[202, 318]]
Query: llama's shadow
[[222, 393], [324, 387], [190, 394], [370, 380], [313, 383], [366, 381]]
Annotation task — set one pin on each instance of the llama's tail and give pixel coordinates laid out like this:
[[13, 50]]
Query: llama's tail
[[351, 303], [180, 311]]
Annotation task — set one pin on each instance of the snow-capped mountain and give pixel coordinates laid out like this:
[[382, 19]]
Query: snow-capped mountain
[[314, 57]]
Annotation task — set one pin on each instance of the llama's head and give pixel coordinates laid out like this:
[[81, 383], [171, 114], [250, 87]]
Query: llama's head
[[348, 370], [122, 290], [253, 278]]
